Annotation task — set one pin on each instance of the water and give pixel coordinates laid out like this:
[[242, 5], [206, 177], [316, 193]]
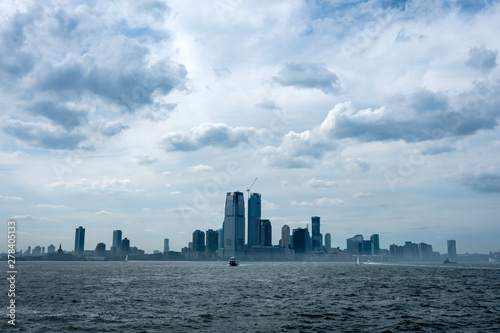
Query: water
[[141, 296]]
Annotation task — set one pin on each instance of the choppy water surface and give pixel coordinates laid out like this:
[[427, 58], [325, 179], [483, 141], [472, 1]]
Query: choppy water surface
[[140, 296]]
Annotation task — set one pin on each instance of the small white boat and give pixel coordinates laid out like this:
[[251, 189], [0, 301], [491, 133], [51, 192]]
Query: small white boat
[[233, 262], [126, 258], [357, 261]]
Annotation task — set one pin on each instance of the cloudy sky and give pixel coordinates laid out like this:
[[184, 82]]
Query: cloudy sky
[[377, 116]]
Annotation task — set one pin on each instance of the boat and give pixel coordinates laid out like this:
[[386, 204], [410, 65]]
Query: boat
[[233, 262], [449, 262], [126, 258], [357, 261]]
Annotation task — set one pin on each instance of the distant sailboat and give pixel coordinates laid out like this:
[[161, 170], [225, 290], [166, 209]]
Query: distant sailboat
[[357, 261], [126, 258]]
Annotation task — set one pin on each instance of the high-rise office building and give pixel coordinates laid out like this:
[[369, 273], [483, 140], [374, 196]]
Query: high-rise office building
[[117, 240], [79, 240], [301, 240], [328, 242], [124, 247], [166, 247], [100, 250], [355, 244], [51, 249], [285, 236], [234, 225], [254, 214], [199, 241], [317, 237], [212, 241], [375, 244], [266, 233], [452, 250]]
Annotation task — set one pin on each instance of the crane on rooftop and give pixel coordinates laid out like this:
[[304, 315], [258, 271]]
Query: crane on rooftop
[[249, 188]]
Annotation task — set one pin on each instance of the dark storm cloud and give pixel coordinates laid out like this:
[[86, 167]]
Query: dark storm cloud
[[307, 75], [480, 58]]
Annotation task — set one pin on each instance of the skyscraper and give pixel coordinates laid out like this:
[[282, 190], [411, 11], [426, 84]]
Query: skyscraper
[[199, 241], [79, 240], [254, 214], [317, 237], [285, 236], [328, 242], [124, 247], [234, 224], [117, 240], [212, 241], [166, 247], [452, 250], [266, 233], [375, 244], [301, 240]]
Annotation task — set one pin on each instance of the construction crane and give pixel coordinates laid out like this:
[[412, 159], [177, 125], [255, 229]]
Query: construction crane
[[249, 188]]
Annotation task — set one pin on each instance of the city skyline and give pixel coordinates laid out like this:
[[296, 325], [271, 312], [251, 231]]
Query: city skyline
[[379, 117]]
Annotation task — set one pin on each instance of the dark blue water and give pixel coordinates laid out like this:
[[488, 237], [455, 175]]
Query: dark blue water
[[254, 297]]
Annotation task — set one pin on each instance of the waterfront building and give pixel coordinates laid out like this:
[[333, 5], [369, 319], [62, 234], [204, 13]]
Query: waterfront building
[[198, 241], [79, 240], [285, 236], [328, 242], [266, 233], [375, 244], [117, 240], [100, 250], [124, 247], [317, 237], [354, 244], [234, 225], [301, 240], [51, 249], [166, 247], [254, 215], [452, 250], [212, 241], [37, 251]]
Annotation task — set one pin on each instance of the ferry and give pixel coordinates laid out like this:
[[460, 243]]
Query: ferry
[[233, 262]]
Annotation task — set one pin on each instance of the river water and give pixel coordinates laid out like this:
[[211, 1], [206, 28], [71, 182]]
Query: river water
[[144, 296]]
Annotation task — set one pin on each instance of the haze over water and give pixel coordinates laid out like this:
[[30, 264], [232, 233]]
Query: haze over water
[[140, 296]]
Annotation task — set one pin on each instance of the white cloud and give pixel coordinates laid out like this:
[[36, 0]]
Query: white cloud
[[267, 205], [200, 168], [9, 197], [328, 202], [93, 186], [103, 212], [362, 194], [319, 183]]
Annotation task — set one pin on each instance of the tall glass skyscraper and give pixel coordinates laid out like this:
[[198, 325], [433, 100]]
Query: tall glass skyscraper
[[317, 237], [452, 250], [266, 233], [79, 240], [234, 225], [285, 236], [254, 214], [117, 240]]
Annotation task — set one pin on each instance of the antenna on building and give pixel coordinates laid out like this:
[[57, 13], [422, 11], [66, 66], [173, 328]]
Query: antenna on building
[[249, 188]]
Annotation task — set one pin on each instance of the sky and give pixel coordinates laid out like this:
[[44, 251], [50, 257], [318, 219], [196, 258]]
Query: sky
[[378, 116]]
